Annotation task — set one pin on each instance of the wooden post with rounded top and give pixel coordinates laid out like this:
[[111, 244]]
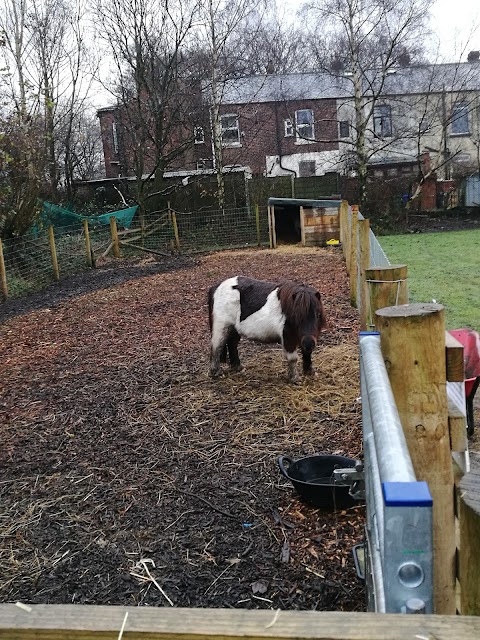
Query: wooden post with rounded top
[[114, 236], [413, 346], [364, 263], [387, 287], [353, 262], [343, 222]]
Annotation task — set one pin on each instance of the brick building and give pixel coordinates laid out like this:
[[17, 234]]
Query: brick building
[[302, 124]]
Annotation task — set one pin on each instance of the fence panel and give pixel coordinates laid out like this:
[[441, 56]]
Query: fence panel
[[28, 260]]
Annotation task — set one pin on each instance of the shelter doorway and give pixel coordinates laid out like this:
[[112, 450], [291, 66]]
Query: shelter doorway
[[287, 225]]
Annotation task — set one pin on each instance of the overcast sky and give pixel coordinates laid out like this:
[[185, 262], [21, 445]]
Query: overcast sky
[[457, 26]]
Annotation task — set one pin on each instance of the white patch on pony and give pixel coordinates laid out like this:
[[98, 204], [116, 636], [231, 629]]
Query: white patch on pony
[[265, 325]]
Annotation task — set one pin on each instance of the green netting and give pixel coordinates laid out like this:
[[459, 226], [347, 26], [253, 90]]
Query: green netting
[[58, 216]]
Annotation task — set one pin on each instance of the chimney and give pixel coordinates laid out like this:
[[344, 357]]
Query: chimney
[[473, 56]]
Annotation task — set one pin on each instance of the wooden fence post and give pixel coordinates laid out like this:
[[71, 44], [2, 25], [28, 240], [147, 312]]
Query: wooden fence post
[[257, 222], [173, 217], [353, 261], [302, 226], [342, 222], [387, 287], [88, 246], [53, 252], [346, 238], [469, 500], [413, 347], [114, 234], [364, 263], [3, 274], [271, 227]]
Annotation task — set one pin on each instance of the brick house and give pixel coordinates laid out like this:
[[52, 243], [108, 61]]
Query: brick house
[[301, 124]]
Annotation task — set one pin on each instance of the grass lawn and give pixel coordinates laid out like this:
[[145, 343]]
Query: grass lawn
[[444, 267]]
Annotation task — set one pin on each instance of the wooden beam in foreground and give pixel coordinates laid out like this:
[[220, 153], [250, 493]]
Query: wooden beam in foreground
[[75, 622]]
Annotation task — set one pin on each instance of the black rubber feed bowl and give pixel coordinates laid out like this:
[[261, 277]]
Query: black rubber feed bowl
[[313, 479]]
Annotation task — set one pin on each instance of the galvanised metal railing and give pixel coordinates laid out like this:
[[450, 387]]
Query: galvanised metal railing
[[398, 548]]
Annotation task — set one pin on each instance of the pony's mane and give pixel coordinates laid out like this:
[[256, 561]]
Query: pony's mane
[[297, 299]]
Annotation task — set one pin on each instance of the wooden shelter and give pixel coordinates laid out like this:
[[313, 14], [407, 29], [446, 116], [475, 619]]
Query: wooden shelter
[[311, 223]]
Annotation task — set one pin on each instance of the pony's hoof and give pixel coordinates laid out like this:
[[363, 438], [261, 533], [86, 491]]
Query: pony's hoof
[[218, 373], [294, 380], [237, 368]]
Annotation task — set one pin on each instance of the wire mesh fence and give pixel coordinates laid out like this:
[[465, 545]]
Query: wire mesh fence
[[43, 255]]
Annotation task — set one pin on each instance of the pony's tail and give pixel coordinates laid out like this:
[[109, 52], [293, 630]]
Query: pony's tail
[[211, 292]]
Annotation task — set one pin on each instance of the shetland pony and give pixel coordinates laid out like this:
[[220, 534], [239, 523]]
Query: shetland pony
[[289, 313]]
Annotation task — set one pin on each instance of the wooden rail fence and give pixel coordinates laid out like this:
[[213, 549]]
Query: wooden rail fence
[[421, 357]]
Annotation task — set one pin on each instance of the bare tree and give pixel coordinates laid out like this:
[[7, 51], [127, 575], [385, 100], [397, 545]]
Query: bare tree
[[220, 23], [21, 142], [146, 39], [371, 38]]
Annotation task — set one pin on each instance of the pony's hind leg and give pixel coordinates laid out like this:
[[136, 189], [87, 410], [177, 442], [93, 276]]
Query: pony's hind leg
[[232, 344], [218, 348]]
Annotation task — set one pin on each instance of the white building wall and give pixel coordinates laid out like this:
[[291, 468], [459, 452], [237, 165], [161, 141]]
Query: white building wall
[[325, 161]]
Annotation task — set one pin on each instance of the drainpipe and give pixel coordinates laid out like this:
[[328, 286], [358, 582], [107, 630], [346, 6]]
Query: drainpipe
[[292, 172]]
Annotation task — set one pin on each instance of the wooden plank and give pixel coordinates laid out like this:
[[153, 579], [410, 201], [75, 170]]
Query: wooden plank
[[454, 356], [84, 622], [457, 427], [469, 499], [326, 221]]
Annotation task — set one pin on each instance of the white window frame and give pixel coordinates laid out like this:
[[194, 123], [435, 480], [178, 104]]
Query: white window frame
[[382, 114], [199, 135], [235, 127], [304, 136], [289, 129], [459, 117]]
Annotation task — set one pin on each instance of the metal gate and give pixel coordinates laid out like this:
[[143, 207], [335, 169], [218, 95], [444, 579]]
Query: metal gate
[[398, 547]]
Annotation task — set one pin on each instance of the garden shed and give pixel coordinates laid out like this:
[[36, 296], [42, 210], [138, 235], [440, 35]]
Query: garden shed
[[311, 223]]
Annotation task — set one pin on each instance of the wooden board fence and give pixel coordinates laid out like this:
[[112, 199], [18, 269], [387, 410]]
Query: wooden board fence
[[83, 622]]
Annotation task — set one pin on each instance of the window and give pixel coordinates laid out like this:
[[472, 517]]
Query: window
[[459, 119], [230, 130], [382, 121], [304, 125], [199, 135], [115, 137], [288, 124], [344, 128], [306, 168]]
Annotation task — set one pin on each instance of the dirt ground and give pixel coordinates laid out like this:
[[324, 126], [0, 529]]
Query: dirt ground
[[129, 477]]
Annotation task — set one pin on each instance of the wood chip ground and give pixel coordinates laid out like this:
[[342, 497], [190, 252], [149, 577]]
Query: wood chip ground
[[129, 477]]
